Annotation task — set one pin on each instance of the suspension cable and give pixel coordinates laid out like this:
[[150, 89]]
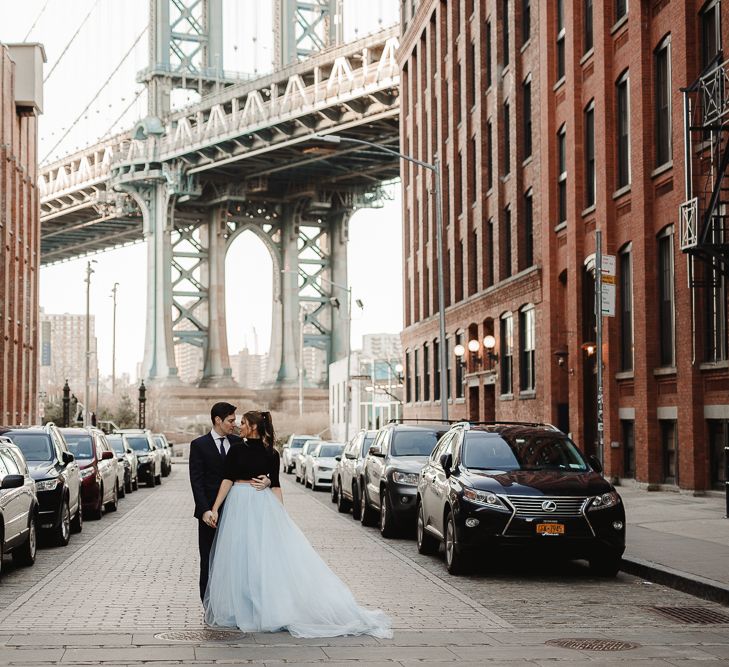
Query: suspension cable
[[70, 41], [37, 18], [121, 115]]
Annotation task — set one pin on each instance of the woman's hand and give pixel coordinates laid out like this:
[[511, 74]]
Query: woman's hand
[[214, 518], [261, 482]]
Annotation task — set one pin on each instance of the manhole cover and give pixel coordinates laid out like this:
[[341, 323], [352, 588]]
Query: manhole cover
[[200, 636], [692, 615], [588, 644]]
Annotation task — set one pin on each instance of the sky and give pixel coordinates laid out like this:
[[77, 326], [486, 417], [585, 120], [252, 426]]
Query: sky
[[94, 50]]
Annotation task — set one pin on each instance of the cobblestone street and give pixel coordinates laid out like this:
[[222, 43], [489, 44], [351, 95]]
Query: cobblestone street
[[133, 575]]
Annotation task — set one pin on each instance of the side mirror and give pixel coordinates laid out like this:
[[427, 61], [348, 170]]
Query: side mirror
[[446, 461], [12, 482], [337, 458], [595, 463], [129, 451], [376, 451], [107, 455], [67, 457]]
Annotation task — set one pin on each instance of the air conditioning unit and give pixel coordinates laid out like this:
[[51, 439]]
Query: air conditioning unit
[[29, 59]]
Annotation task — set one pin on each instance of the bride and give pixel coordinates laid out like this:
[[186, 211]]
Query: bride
[[264, 574]]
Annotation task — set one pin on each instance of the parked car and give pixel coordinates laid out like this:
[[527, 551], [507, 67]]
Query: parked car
[[391, 471], [148, 457], [18, 506], [300, 458], [291, 448], [165, 452], [57, 479], [522, 486], [348, 471], [127, 459], [320, 464], [99, 470]]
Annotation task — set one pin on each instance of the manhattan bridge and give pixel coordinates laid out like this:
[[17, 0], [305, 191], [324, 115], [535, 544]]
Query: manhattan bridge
[[240, 159]]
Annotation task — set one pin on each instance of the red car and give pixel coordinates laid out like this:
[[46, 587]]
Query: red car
[[98, 464]]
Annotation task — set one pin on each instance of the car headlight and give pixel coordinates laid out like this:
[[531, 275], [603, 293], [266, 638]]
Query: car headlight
[[485, 498], [604, 501], [47, 484], [409, 478], [144, 459], [87, 472]]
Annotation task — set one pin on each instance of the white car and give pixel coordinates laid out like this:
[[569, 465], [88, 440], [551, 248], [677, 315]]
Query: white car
[[320, 463], [291, 449], [300, 459]]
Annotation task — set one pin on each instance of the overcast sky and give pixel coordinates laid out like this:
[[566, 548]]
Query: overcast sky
[[106, 31]]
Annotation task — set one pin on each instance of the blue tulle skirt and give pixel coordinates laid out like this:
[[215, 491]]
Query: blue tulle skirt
[[265, 576]]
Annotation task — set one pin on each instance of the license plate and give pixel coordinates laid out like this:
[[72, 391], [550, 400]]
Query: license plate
[[550, 529]]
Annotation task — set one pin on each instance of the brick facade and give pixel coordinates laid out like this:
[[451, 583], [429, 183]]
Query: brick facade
[[471, 73], [19, 259]]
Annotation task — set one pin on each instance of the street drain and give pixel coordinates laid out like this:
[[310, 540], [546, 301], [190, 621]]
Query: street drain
[[200, 636], [588, 644], [692, 615]]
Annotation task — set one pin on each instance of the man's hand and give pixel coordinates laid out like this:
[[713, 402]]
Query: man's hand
[[214, 519], [261, 482], [207, 519]]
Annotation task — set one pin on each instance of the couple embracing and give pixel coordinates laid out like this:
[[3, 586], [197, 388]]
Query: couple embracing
[[258, 571]]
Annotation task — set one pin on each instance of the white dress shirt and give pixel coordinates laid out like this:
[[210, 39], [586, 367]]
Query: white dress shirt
[[216, 438]]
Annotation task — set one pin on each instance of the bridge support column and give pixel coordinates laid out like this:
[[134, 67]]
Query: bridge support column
[[339, 235], [216, 368]]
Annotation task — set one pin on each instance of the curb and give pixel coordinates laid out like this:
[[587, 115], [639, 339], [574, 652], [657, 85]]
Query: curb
[[693, 584]]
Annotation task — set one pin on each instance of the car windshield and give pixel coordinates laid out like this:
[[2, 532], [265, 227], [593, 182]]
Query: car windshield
[[538, 452], [35, 446], [330, 451], [414, 443], [80, 445], [367, 444], [138, 443], [117, 443], [298, 443], [159, 442]]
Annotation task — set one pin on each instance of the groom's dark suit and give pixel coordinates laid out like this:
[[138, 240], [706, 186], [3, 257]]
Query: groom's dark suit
[[206, 474]]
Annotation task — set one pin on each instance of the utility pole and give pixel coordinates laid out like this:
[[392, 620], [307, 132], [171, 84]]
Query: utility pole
[[598, 343], [113, 341], [302, 320], [87, 379]]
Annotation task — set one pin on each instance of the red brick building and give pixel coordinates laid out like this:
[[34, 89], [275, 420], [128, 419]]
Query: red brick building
[[20, 103], [553, 120]]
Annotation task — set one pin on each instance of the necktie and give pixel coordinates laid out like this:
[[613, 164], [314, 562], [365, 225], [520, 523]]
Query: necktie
[[222, 448]]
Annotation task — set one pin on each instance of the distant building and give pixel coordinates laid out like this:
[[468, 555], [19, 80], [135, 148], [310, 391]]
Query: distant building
[[382, 346], [249, 369], [188, 357], [21, 101]]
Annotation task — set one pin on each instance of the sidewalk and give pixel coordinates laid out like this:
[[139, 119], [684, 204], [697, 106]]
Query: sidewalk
[[678, 540]]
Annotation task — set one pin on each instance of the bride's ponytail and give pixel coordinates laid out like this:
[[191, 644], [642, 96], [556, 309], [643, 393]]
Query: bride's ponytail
[[262, 421]]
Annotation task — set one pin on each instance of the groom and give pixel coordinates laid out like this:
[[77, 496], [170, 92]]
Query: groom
[[207, 458]]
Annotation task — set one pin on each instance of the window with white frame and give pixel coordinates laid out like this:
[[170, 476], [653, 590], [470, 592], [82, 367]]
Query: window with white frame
[[527, 347]]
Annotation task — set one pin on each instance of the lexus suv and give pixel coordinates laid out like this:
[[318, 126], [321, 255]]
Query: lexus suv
[[391, 472], [521, 486], [57, 479]]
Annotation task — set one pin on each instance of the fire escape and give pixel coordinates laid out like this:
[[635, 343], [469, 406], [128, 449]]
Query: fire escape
[[704, 216]]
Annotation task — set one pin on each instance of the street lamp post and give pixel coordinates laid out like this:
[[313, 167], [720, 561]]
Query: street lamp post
[[87, 373], [435, 168], [113, 341]]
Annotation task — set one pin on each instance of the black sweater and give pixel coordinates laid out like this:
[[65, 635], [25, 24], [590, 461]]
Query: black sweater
[[250, 459]]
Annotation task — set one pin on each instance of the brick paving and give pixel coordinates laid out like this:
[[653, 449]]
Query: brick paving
[[133, 575]]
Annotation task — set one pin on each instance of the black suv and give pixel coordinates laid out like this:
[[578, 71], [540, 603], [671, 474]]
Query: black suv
[[390, 473], [56, 475], [517, 485]]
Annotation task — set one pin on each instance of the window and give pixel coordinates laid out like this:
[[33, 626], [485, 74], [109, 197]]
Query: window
[[507, 140], [416, 375], [528, 229], [718, 439], [436, 370], [626, 310], [490, 156], [449, 367], [527, 345], [710, 35], [587, 33], [627, 429], [506, 244], [460, 363], [666, 298], [506, 335], [505, 15], [590, 172], [560, 40], [526, 21], [669, 451], [457, 96], [562, 178], [716, 299], [473, 66], [408, 379], [490, 250], [623, 120], [474, 172], [489, 75], [621, 9], [426, 373], [662, 73], [473, 263], [527, 97]]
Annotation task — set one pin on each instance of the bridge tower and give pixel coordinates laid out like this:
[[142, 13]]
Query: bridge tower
[[189, 223]]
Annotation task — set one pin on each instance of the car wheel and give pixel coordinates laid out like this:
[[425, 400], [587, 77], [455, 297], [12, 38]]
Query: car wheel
[[25, 555], [121, 490], [99, 510], [1, 555], [77, 524], [343, 504], [333, 495], [427, 544], [306, 481], [113, 504], [388, 527], [606, 565], [356, 507], [128, 484], [135, 484], [158, 480], [62, 534], [456, 560], [151, 480], [366, 513]]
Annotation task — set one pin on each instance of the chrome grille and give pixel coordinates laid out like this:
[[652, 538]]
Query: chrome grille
[[532, 506]]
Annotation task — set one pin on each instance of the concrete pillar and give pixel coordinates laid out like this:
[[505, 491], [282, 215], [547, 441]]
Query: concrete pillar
[[216, 368], [338, 236], [286, 346]]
